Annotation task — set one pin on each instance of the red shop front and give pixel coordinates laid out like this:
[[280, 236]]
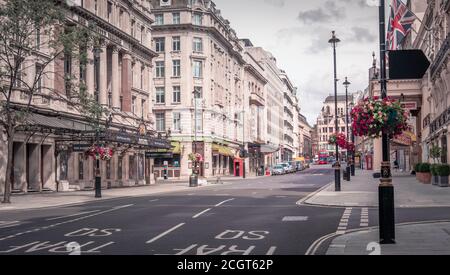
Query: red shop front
[[238, 167]]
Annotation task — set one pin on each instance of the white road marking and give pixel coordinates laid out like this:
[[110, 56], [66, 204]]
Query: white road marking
[[271, 250], [219, 204], [364, 221], [66, 222], [153, 200], [73, 215], [295, 218], [201, 213], [343, 224], [165, 233], [6, 224]]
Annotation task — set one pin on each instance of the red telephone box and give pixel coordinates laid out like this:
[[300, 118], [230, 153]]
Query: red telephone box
[[369, 162], [238, 165]]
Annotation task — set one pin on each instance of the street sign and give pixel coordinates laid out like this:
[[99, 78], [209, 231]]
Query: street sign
[[81, 147], [407, 64]]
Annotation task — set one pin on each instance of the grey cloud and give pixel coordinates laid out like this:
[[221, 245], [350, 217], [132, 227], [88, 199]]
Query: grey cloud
[[329, 11], [360, 34], [277, 3]]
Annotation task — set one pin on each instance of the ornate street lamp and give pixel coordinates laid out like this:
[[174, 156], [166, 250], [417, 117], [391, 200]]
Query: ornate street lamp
[[349, 162], [337, 168], [386, 189]]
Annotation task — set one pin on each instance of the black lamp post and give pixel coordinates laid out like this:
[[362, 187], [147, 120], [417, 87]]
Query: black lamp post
[[386, 189], [352, 166], [98, 176], [193, 180], [347, 169], [337, 169]]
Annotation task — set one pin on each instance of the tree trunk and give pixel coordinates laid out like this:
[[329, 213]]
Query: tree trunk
[[9, 169]]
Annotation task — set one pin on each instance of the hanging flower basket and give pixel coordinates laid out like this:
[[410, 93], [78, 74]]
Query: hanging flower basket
[[338, 139], [99, 153], [373, 117], [196, 157]]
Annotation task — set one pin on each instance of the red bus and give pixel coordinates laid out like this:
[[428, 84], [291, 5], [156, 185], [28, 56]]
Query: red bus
[[323, 158]]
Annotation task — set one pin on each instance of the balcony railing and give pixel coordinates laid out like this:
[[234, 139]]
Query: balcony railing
[[440, 57]]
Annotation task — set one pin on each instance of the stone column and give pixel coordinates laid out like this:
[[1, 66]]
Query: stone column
[[90, 83], [19, 168], [115, 80], [34, 167], [103, 81], [126, 82]]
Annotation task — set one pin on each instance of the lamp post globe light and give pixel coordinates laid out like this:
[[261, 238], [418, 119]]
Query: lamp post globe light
[[386, 189], [337, 168], [349, 161]]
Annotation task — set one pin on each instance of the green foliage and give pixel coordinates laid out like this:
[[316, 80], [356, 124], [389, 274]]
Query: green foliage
[[417, 167], [434, 169], [443, 170], [425, 168], [436, 153]]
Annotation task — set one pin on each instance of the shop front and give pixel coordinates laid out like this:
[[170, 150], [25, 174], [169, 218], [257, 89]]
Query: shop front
[[167, 163], [256, 160], [222, 160]]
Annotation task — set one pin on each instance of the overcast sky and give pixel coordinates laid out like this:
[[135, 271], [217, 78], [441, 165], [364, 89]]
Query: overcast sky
[[297, 33]]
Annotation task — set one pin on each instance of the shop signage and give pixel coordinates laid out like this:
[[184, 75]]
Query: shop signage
[[158, 155], [410, 106], [80, 147]]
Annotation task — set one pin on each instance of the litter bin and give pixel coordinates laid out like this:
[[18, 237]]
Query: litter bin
[[193, 181], [345, 174]]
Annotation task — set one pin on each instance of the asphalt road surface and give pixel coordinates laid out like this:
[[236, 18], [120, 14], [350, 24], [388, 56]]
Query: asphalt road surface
[[252, 217]]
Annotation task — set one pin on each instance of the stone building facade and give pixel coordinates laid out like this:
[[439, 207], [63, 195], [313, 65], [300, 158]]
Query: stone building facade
[[326, 123], [217, 94], [123, 66]]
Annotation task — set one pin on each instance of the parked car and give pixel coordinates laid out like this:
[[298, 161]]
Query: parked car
[[287, 168], [278, 170]]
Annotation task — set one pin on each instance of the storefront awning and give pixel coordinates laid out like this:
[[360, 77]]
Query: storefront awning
[[269, 149], [223, 150], [175, 149]]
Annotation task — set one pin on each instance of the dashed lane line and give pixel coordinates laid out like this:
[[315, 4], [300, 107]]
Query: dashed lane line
[[165, 233], [201, 213], [222, 203]]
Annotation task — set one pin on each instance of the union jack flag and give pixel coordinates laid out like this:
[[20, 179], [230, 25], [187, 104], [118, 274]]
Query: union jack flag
[[400, 24]]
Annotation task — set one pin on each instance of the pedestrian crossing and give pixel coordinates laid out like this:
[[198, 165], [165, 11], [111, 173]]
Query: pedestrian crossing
[[353, 218]]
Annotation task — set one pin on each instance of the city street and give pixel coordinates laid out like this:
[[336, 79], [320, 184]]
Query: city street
[[262, 216]]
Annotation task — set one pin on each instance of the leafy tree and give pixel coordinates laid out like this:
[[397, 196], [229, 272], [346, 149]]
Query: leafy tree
[[436, 153], [37, 32]]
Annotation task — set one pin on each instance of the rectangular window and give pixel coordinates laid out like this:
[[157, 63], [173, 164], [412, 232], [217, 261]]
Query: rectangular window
[[39, 80], [176, 68], [160, 95], [176, 121], [198, 92], [198, 44], [160, 44], [142, 77], [331, 130], [142, 34], [110, 8], [160, 122], [197, 19], [198, 68], [176, 18], [176, 94], [176, 44], [132, 165], [133, 26], [38, 38], [119, 167], [160, 70], [159, 19], [133, 105]]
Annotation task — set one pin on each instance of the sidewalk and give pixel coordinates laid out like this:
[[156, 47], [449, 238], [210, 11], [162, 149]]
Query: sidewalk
[[33, 201], [412, 239], [362, 191]]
